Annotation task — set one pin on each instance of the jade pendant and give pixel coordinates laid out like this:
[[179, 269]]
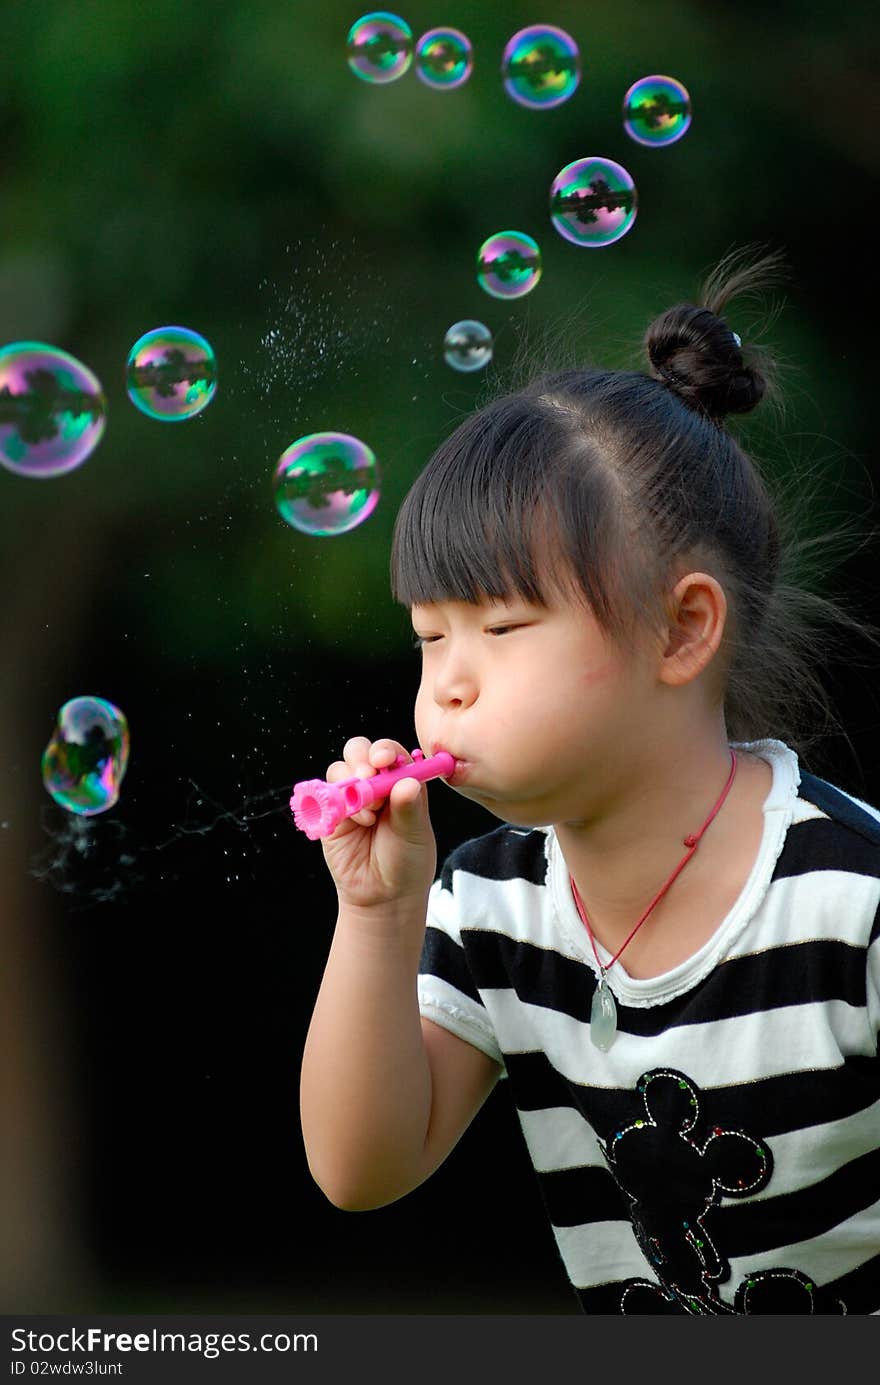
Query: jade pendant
[[603, 1016]]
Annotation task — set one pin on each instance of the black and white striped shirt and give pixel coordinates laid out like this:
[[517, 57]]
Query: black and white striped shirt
[[723, 1156]]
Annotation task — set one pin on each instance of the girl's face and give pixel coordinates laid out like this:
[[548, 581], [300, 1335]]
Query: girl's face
[[536, 702]]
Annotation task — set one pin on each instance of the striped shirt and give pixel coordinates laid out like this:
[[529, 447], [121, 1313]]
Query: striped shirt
[[723, 1156]]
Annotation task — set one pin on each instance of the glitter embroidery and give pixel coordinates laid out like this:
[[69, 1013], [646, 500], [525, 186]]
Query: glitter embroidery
[[669, 1217], [700, 1164]]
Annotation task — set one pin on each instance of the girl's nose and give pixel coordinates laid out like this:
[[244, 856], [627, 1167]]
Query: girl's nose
[[454, 685]]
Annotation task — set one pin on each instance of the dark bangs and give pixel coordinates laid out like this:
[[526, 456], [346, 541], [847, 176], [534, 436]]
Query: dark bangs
[[508, 505]]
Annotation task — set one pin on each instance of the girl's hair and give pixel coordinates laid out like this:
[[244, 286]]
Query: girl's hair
[[600, 484]]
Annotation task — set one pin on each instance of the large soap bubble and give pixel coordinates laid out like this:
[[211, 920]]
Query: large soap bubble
[[656, 111], [541, 66], [444, 58], [380, 47], [86, 759], [52, 410], [468, 345], [508, 264], [326, 483], [171, 374], [593, 202]]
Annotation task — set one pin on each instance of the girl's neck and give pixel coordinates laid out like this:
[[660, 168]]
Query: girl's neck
[[621, 861]]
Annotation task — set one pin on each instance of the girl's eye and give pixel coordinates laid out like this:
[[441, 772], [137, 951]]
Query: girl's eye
[[420, 640]]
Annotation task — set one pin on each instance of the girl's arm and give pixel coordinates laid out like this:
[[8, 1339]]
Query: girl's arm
[[384, 1094]]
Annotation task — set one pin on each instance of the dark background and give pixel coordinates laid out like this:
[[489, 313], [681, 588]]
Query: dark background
[[220, 166]]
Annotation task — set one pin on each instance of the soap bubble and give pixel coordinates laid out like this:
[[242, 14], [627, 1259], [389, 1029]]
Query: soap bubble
[[52, 410], [656, 111], [380, 47], [593, 202], [171, 374], [468, 345], [326, 483], [84, 762], [508, 264], [444, 58], [541, 67]]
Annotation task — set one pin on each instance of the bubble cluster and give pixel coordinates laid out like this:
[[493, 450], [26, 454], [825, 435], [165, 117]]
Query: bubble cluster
[[444, 58], [52, 410], [380, 47], [468, 345], [593, 202], [326, 483], [656, 111], [541, 66], [85, 761], [508, 264], [171, 374]]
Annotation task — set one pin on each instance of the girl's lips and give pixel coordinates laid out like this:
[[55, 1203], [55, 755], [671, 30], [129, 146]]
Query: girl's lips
[[460, 769], [459, 773]]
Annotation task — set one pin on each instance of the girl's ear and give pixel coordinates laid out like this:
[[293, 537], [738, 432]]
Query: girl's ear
[[698, 613]]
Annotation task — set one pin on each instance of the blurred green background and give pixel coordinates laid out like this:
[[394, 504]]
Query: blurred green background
[[221, 167]]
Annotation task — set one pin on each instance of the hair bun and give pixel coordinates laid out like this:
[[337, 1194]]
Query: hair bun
[[694, 353]]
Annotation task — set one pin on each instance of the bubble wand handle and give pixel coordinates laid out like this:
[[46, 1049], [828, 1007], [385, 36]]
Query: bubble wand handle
[[319, 807]]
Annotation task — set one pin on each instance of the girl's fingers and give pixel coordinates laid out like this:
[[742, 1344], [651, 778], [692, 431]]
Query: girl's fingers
[[362, 758], [356, 748], [383, 754]]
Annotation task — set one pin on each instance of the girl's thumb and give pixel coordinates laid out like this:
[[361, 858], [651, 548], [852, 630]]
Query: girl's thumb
[[409, 810]]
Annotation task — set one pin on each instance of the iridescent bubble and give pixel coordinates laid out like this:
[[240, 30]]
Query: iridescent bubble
[[541, 67], [326, 483], [86, 759], [52, 410], [444, 58], [380, 47], [468, 345], [508, 264], [171, 374], [593, 202], [656, 110]]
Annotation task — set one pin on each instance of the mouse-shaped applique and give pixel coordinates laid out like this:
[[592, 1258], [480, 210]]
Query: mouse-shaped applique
[[671, 1178]]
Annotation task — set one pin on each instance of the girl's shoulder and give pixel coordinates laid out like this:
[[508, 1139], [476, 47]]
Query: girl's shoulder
[[840, 807], [506, 853]]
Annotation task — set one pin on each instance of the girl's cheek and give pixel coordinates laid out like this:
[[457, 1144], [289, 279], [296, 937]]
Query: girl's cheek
[[594, 675], [420, 706]]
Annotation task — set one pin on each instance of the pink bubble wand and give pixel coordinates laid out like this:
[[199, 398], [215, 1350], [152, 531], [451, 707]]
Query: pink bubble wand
[[319, 807]]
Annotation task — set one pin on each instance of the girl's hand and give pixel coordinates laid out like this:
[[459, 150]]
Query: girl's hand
[[386, 853]]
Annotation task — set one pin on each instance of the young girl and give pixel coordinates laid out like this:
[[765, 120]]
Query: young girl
[[670, 947]]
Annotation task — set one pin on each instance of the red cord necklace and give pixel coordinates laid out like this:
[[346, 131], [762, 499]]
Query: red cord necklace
[[603, 1012]]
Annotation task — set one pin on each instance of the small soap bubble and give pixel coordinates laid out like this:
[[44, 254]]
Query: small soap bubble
[[468, 345], [380, 47], [171, 374], [541, 67], [326, 483], [444, 58], [593, 202], [508, 264], [86, 759], [52, 410], [656, 111]]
